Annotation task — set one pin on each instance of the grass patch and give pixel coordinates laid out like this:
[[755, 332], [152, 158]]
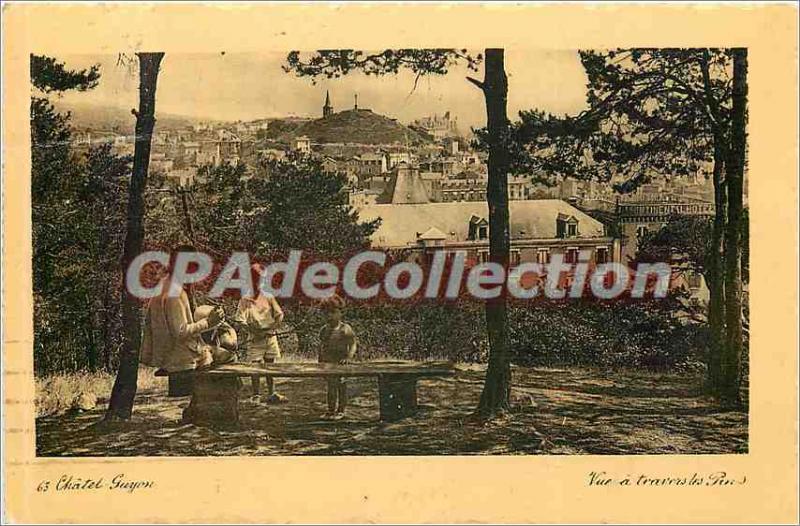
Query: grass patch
[[60, 392]]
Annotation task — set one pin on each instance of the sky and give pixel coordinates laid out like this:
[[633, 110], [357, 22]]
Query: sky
[[248, 86]]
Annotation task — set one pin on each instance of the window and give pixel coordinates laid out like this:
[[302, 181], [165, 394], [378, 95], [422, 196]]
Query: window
[[478, 228], [543, 256], [571, 256], [483, 256], [601, 255], [572, 229], [641, 230], [566, 226], [514, 257]]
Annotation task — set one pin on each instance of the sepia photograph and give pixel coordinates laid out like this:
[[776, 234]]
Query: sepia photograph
[[391, 252], [361, 263]]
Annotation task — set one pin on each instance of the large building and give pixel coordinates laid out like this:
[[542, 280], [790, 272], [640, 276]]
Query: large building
[[637, 218], [539, 230], [404, 187], [439, 127]]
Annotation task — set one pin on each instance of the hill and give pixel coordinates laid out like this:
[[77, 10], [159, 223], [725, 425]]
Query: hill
[[99, 117], [284, 129], [352, 126]]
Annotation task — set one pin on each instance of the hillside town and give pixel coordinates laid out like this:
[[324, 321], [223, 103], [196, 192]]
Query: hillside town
[[427, 184]]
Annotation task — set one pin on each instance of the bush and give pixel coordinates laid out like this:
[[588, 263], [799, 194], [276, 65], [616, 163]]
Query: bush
[[407, 330], [611, 334], [645, 333]]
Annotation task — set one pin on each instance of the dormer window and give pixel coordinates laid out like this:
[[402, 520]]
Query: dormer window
[[566, 226], [478, 228]]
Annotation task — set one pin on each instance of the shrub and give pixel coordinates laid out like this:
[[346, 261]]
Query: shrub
[[645, 333]]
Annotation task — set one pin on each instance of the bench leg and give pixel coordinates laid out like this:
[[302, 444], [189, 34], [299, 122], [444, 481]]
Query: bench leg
[[215, 401], [398, 396]]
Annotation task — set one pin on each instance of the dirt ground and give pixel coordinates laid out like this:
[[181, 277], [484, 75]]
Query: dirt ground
[[557, 412]]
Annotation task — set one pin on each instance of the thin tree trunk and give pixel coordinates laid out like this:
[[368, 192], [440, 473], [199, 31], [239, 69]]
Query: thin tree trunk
[[91, 341], [731, 358], [716, 283], [124, 391], [496, 394], [187, 218]]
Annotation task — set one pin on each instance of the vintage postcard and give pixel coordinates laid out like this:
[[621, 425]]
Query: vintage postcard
[[350, 263]]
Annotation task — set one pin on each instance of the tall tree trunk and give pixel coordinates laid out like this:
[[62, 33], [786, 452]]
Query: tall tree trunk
[[731, 358], [497, 386], [105, 320], [124, 391], [716, 282]]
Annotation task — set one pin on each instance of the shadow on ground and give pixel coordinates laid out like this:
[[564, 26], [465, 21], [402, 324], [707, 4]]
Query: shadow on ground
[[557, 411]]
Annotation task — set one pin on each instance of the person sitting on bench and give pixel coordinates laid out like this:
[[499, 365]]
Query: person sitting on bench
[[337, 345], [172, 338], [223, 335]]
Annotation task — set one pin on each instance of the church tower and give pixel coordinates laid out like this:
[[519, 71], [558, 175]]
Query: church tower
[[327, 109]]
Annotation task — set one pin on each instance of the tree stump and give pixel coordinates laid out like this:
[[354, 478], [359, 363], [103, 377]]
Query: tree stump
[[215, 401], [398, 396], [180, 383]]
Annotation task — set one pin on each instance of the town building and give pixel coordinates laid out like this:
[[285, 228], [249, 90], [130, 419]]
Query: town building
[[183, 177], [369, 164], [327, 109], [359, 198], [518, 188], [539, 230], [466, 186], [405, 186], [302, 144], [637, 217], [395, 158], [433, 185], [439, 127]]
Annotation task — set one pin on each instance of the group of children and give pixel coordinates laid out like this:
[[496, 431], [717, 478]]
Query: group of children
[[260, 316]]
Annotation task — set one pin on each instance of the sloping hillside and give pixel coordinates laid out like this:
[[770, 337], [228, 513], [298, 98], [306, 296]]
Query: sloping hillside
[[100, 117], [355, 126], [283, 129]]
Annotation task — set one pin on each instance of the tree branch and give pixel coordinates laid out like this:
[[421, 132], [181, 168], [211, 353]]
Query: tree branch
[[711, 102], [477, 82]]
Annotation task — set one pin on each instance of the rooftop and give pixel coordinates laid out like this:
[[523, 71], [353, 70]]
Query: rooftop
[[530, 219]]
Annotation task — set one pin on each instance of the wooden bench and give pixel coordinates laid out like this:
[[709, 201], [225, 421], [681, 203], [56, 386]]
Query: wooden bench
[[215, 392]]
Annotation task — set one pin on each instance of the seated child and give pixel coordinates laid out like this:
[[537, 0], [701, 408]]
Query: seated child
[[223, 335], [337, 345]]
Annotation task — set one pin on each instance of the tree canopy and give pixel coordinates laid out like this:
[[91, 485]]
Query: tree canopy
[[76, 250], [334, 63], [289, 204], [651, 112], [48, 75]]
